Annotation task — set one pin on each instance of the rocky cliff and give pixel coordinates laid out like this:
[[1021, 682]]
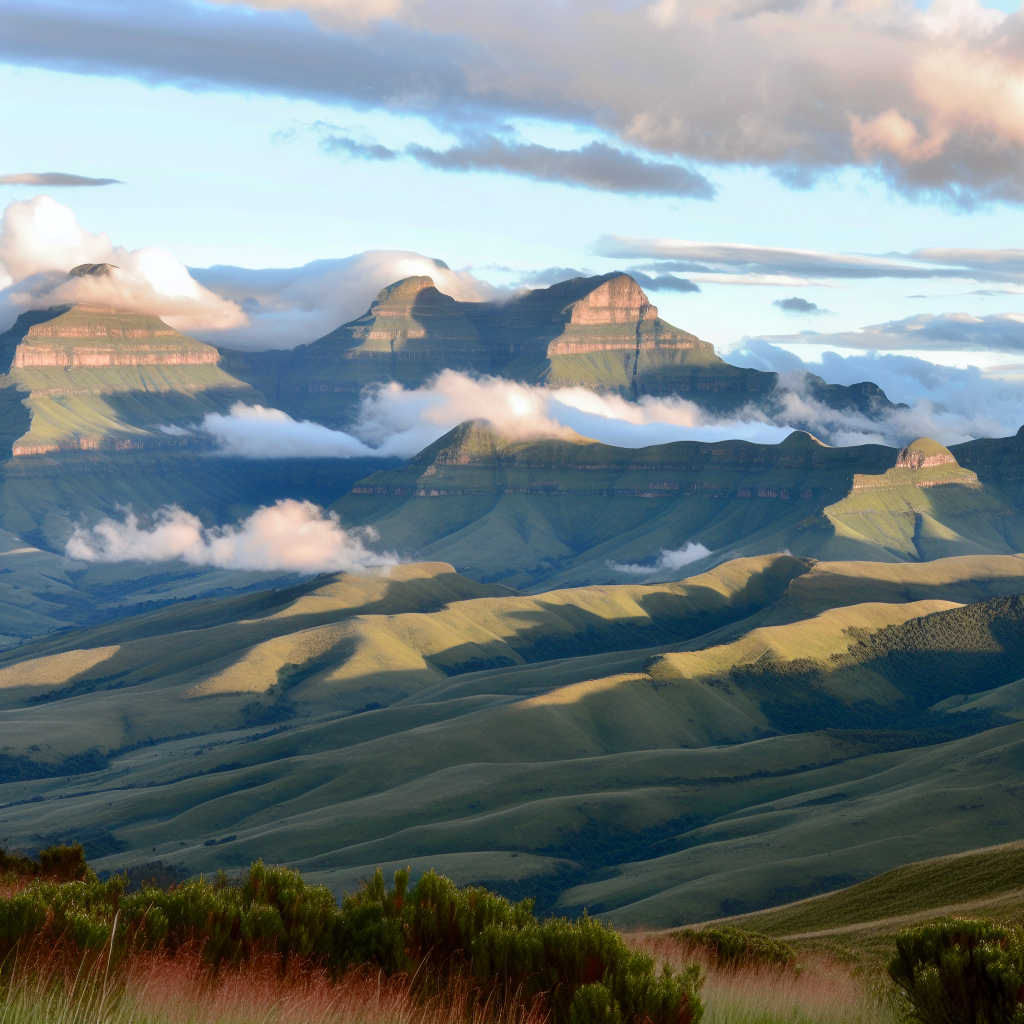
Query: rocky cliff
[[97, 336]]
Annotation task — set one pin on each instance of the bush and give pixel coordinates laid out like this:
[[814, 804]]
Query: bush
[[434, 931], [733, 947], [57, 863], [961, 972]]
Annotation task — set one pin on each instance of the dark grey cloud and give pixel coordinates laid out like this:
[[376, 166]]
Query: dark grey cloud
[[954, 332], [796, 88], [596, 166], [55, 179], [798, 305], [685, 257]]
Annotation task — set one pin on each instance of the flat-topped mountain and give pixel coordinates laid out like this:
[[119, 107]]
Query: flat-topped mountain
[[539, 514], [94, 377], [87, 335], [598, 332]]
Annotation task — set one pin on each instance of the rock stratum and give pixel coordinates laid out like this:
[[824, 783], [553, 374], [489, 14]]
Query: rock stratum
[[88, 377]]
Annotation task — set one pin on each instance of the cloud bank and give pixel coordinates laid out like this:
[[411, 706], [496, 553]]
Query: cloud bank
[[667, 560], [289, 536], [928, 99], [40, 241], [56, 179]]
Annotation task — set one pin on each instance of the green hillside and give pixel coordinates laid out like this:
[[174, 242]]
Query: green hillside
[[93, 378], [763, 732], [548, 514]]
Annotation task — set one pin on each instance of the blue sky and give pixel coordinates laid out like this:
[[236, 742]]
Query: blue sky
[[231, 167]]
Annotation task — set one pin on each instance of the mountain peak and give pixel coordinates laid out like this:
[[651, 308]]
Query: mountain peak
[[923, 454], [92, 270]]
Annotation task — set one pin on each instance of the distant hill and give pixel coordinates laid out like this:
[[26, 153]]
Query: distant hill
[[597, 332], [93, 378], [770, 730], [538, 514]]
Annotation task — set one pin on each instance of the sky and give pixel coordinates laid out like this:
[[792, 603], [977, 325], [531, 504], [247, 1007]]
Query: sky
[[819, 184]]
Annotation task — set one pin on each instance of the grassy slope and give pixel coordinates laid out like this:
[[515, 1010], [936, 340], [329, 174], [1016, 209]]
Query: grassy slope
[[586, 780], [547, 514]]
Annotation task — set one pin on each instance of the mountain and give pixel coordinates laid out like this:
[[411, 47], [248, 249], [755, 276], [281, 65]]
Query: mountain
[[596, 332], [762, 732], [94, 378], [543, 514]]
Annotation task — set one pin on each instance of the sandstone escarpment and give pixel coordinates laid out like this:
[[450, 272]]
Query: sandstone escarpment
[[97, 336]]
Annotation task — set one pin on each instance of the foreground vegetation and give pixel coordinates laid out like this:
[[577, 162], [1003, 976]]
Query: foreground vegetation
[[272, 948]]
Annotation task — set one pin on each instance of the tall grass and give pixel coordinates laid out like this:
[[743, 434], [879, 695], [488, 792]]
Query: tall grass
[[156, 988], [819, 990]]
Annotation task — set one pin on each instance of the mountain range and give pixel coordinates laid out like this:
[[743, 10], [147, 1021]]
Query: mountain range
[[666, 684]]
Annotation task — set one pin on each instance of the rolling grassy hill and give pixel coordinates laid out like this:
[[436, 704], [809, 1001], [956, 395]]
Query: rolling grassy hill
[[863, 918], [659, 754], [538, 515]]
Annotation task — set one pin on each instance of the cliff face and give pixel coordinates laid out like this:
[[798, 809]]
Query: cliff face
[[923, 463], [98, 336]]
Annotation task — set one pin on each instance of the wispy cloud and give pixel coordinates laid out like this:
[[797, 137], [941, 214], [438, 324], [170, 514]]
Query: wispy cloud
[[666, 560], [55, 179], [595, 166]]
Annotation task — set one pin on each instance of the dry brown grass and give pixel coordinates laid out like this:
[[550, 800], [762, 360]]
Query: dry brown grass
[[159, 989], [821, 990]]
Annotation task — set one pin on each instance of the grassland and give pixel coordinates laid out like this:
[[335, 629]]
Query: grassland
[[659, 754], [541, 515]]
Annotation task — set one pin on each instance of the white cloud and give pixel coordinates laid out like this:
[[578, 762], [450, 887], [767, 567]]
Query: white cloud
[[395, 422], [295, 305], [668, 560], [289, 536], [41, 240]]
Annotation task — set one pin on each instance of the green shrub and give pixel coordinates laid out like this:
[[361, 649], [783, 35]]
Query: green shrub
[[57, 863], [961, 972], [734, 947], [434, 931]]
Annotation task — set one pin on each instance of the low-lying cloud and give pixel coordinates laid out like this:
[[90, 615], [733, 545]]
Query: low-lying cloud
[[289, 536], [41, 240], [395, 422], [667, 561], [56, 179], [289, 306], [950, 404]]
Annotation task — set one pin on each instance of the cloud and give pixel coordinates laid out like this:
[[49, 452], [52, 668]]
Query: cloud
[[798, 305], [663, 282], [667, 560], [371, 150], [40, 241], [55, 179], [948, 403], [253, 432], [727, 262], [952, 332], [927, 99], [290, 306], [596, 166], [393, 422], [289, 536]]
